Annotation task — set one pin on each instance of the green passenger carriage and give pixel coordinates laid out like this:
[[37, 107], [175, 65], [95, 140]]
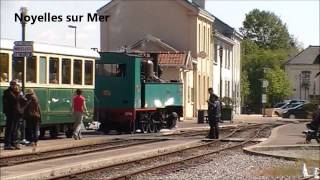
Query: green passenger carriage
[[130, 96], [54, 72]]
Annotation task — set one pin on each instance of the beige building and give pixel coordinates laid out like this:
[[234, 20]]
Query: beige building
[[182, 24], [303, 72]]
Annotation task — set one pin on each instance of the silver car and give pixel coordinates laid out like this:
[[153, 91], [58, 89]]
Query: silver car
[[280, 110]]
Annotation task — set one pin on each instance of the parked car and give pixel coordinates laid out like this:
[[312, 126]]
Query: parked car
[[280, 104], [280, 110], [303, 111]]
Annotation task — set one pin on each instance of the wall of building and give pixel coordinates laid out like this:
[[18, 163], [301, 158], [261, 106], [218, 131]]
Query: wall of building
[[294, 75], [204, 62]]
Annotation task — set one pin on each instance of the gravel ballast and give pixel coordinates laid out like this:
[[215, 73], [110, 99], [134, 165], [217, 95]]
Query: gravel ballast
[[234, 164]]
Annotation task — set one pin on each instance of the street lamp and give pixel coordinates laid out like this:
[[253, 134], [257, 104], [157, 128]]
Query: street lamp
[[220, 55], [75, 34]]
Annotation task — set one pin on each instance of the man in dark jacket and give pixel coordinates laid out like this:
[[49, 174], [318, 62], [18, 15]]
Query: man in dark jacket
[[12, 111], [214, 114]]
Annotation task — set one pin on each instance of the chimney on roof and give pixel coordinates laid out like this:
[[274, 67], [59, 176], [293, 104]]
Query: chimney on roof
[[200, 3]]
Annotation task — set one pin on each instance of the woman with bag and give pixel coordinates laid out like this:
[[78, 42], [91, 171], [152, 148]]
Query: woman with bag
[[32, 115]]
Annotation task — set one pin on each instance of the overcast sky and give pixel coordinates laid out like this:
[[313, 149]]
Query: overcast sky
[[301, 18]]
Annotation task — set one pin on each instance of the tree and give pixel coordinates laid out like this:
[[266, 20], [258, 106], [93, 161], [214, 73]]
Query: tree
[[279, 86], [266, 30], [267, 44], [244, 82]]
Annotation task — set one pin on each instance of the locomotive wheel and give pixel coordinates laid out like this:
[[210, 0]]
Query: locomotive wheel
[[154, 127], [53, 132], [42, 133], [69, 131], [145, 126], [132, 128]]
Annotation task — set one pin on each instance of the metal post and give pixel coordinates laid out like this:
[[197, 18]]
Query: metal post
[[220, 54], [23, 11], [75, 37], [75, 34], [300, 85]]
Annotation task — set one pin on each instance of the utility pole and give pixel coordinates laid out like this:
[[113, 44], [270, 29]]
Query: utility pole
[[220, 55], [23, 11], [75, 34]]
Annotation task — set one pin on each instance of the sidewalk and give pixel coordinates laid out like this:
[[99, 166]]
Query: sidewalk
[[288, 141]]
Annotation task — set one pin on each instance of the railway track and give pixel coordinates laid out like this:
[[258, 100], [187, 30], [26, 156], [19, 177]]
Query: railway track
[[74, 151], [85, 149], [169, 159]]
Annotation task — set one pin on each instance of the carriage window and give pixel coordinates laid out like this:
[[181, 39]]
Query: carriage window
[[43, 70], [4, 68], [17, 68], [88, 70], [54, 70], [112, 70], [66, 71], [31, 69], [77, 72]]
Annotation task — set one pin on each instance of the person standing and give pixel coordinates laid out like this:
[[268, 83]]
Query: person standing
[[78, 110], [214, 114], [13, 112], [32, 115], [21, 134]]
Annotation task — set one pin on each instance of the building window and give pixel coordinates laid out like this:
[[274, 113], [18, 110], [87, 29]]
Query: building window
[[189, 94], [199, 38], [4, 68], [209, 44], [66, 71], [77, 72], [215, 53], [229, 59], [225, 88], [204, 38], [17, 69], [228, 93], [204, 89], [305, 78], [54, 70], [226, 58], [31, 69], [43, 70], [88, 71]]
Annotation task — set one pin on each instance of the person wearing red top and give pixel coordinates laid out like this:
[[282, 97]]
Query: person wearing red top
[[78, 110]]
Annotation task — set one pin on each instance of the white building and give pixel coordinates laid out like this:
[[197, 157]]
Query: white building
[[226, 62], [303, 72]]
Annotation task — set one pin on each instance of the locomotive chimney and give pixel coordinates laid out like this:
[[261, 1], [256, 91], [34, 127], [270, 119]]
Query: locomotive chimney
[[149, 69], [200, 3]]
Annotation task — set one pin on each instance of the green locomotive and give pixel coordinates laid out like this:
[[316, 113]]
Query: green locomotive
[[130, 96]]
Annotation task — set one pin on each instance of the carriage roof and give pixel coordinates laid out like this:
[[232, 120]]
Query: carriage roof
[[53, 49]]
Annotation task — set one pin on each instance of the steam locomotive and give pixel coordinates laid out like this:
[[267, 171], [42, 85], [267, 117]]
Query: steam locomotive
[[130, 95]]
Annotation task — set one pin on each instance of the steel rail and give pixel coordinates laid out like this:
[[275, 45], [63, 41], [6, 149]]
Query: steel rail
[[64, 152], [237, 129], [165, 165]]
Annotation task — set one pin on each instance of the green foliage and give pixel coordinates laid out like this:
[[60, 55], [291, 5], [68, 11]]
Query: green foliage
[[266, 30], [266, 44], [279, 86], [244, 82]]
